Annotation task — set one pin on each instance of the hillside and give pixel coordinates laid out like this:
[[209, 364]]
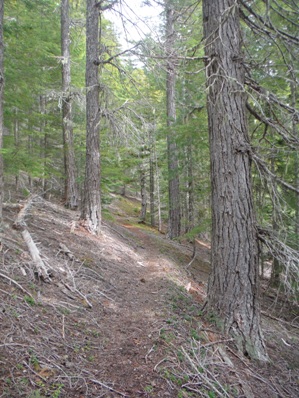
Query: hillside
[[121, 315]]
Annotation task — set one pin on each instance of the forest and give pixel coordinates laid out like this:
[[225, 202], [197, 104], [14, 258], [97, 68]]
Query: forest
[[190, 109]]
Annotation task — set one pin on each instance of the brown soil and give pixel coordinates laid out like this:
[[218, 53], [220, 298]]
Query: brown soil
[[122, 318]]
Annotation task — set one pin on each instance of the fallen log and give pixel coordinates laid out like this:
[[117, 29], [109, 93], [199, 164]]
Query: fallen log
[[43, 271]]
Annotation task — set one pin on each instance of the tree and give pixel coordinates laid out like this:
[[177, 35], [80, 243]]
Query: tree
[[174, 219], [233, 292], [1, 105], [91, 209], [71, 190]]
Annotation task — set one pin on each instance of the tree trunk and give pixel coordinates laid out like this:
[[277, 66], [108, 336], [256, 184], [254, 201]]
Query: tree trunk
[[152, 176], [16, 144], [143, 193], [189, 186], [233, 284], [91, 210], [71, 190], [293, 87], [157, 174], [43, 144], [174, 220], [1, 106]]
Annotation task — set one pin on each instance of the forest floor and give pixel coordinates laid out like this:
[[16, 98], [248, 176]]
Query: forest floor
[[122, 316]]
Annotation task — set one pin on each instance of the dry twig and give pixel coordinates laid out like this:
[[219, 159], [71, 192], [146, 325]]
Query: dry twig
[[16, 283], [108, 388]]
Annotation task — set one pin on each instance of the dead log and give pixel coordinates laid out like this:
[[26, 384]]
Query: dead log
[[43, 271]]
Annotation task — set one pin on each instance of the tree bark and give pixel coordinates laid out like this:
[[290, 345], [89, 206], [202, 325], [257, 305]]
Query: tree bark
[[71, 190], [233, 284], [152, 177], [91, 210], [174, 220], [143, 194], [43, 144], [1, 106], [294, 95], [16, 144]]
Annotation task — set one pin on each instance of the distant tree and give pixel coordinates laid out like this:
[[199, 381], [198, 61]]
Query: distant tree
[[91, 209], [174, 218], [1, 105], [71, 189], [233, 294]]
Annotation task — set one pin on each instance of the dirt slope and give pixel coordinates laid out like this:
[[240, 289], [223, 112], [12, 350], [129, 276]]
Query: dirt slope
[[122, 317]]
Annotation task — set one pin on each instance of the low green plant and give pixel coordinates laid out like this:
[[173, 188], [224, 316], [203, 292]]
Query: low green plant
[[58, 390], [34, 361], [195, 335], [148, 389], [29, 300]]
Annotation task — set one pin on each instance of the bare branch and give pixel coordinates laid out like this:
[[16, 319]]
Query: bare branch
[[279, 128], [264, 169], [108, 61], [287, 257], [16, 283]]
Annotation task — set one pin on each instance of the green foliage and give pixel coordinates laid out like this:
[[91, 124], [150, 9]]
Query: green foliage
[[29, 300]]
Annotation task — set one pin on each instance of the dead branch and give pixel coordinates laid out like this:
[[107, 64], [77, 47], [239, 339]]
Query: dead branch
[[75, 290], [264, 169], [279, 320], [13, 206], [287, 257], [66, 251], [193, 255], [108, 388], [16, 283], [41, 268]]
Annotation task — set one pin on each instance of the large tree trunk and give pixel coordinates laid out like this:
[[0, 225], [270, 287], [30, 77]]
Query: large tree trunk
[[1, 105], [233, 285], [174, 220], [71, 189], [91, 211]]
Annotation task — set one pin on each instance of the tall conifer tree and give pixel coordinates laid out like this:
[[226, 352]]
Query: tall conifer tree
[[233, 285], [174, 219], [91, 209], [71, 190]]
